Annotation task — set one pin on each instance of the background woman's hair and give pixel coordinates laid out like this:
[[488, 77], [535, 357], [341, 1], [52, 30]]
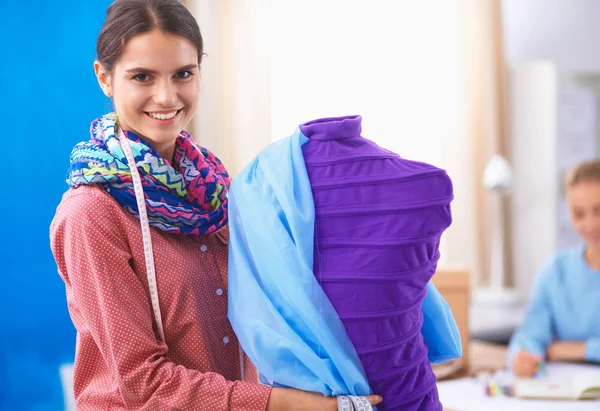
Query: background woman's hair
[[586, 171]]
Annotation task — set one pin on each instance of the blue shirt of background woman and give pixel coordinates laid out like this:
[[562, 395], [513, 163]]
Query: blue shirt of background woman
[[562, 322]]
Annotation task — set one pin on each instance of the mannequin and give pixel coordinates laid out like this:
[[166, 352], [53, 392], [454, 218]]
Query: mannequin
[[377, 221]]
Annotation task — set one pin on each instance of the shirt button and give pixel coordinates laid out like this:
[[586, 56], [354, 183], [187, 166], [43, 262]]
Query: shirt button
[[225, 340], [219, 291], [203, 248]]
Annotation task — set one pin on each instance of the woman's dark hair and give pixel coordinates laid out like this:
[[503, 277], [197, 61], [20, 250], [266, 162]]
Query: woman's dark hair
[[128, 18]]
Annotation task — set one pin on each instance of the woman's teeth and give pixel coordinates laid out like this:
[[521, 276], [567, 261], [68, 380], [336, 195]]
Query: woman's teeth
[[163, 116]]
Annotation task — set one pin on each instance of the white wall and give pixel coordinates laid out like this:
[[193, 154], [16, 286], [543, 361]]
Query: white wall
[[394, 62], [563, 31], [533, 132], [546, 42]]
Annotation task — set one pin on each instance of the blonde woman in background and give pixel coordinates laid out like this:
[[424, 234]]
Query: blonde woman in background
[[562, 322]]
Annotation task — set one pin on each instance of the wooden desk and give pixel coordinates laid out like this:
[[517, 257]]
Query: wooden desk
[[453, 284]]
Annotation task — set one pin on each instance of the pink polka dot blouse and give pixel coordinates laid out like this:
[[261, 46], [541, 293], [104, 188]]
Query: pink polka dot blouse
[[119, 362]]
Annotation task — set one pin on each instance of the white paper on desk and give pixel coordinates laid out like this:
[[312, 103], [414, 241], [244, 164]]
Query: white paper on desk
[[468, 394]]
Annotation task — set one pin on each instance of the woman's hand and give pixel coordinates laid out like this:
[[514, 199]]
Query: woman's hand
[[525, 364], [566, 351], [288, 399]]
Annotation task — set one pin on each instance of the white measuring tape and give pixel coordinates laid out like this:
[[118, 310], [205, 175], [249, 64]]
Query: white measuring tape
[[141, 203], [353, 403]]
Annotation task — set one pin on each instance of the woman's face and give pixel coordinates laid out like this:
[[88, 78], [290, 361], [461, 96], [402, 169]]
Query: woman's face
[[155, 86], [584, 206]]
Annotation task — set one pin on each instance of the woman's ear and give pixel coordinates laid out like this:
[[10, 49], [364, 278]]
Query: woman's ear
[[103, 78]]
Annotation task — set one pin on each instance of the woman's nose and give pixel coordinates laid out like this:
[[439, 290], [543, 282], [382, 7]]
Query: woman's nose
[[165, 94]]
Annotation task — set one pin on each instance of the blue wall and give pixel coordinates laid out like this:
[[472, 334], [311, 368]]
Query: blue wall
[[48, 96]]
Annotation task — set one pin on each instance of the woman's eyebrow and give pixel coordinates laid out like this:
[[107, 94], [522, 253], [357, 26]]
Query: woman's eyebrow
[[146, 70]]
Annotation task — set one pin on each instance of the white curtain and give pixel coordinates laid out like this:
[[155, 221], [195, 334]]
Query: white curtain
[[234, 116]]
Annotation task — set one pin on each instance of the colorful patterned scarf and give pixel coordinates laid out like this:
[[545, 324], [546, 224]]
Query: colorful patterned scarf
[[187, 198]]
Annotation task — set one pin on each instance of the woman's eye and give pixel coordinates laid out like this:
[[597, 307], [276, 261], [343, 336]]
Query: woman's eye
[[141, 77], [183, 74]]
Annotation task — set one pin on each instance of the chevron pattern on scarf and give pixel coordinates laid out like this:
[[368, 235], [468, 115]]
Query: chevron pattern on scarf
[[190, 198]]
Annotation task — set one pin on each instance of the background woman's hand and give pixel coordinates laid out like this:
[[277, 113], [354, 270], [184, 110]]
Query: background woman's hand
[[525, 364], [288, 399]]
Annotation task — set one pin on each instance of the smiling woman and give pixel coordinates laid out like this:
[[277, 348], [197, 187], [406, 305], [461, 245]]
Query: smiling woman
[[148, 57]]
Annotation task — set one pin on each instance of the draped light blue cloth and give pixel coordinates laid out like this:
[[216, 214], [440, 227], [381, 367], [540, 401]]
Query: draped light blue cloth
[[284, 321], [439, 329]]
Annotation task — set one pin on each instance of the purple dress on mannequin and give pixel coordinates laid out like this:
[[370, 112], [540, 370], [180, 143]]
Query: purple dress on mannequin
[[378, 224]]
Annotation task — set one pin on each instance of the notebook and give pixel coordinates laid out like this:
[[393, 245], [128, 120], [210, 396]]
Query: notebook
[[580, 387]]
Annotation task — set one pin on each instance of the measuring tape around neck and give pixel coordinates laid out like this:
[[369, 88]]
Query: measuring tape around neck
[[141, 203]]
